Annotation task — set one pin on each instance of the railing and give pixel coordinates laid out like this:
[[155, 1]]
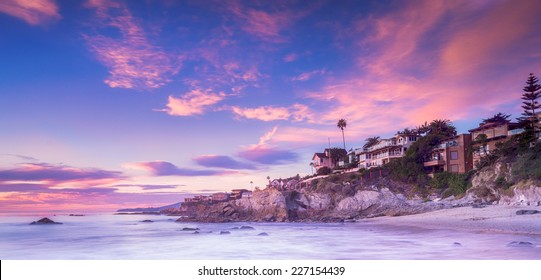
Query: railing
[[379, 146], [515, 131]]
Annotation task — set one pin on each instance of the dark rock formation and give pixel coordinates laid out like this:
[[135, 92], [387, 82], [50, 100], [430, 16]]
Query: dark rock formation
[[247, 228], [224, 232], [527, 212], [189, 229], [147, 221], [45, 221], [520, 244], [263, 234]]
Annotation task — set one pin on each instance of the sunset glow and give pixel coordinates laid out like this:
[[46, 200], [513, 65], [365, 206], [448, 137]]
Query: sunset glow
[[108, 104]]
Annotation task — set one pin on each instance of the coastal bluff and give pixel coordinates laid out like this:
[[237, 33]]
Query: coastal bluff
[[332, 205]]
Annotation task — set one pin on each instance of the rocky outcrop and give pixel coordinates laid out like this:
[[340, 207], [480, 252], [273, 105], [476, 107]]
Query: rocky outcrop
[[45, 221], [496, 184], [271, 205]]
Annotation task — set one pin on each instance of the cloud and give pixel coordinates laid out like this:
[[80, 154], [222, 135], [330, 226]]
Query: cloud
[[148, 187], [264, 153], [268, 155], [194, 102], [222, 162], [33, 12], [291, 57], [296, 112], [262, 24], [56, 173], [437, 59], [308, 75], [133, 61], [164, 168]]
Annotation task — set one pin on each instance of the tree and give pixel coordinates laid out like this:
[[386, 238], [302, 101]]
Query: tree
[[442, 128], [312, 167], [532, 92], [371, 141], [498, 118], [342, 124], [482, 140]]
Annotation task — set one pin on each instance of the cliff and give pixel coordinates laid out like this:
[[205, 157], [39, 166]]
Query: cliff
[[501, 183], [324, 202]]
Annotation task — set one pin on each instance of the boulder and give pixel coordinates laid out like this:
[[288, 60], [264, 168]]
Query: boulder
[[45, 221], [520, 244], [224, 232], [263, 234], [527, 212], [147, 221], [189, 229], [247, 227]]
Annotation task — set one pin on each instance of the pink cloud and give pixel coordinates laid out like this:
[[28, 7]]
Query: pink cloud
[[164, 168], [291, 57], [195, 102], [265, 25], [296, 112], [308, 75], [33, 12], [264, 153], [133, 61], [438, 59]]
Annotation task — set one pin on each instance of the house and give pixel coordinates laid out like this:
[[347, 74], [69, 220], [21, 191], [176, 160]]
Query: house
[[495, 132], [237, 193], [197, 198], [329, 158], [452, 155], [221, 196], [385, 150]]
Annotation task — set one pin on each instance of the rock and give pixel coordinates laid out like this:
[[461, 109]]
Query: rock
[[247, 227], [195, 232], [457, 244], [147, 221], [478, 205], [224, 232], [190, 229], [520, 244], [527, 212], [350, 221], [45, 221], [263, 234], [235, 228]]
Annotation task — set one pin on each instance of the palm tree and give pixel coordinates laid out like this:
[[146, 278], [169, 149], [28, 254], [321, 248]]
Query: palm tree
[[252, 185], [371, 141], [342, 124]]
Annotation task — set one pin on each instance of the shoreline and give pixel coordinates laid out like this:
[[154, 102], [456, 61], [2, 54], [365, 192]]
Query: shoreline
[[489, 219]]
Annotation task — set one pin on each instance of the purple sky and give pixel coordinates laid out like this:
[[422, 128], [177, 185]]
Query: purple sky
[[113, 104]]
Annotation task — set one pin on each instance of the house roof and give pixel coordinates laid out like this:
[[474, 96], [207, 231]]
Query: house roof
[[319, 155], [492, 125]]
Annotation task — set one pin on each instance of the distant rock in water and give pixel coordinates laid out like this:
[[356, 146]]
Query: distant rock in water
[[45, 221], [147, 221], [190, 229], [263, 234], [527, 212], [520, 244], [224, 232], [457, 244], [247, 227], [195, 232], [76, 215]]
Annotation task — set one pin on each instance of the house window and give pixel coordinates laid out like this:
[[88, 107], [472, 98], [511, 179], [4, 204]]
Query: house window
[[454, 155], [454, 168]]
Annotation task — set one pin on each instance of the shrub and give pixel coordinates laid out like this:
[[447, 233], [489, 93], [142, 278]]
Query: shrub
[[450, 183], [324, 171]]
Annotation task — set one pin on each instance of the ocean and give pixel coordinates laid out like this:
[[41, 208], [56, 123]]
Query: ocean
[[126, 237]]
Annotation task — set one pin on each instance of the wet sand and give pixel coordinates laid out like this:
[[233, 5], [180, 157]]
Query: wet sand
[[492, 218]]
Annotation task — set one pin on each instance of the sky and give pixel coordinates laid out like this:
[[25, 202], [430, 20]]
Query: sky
[[114, 104]]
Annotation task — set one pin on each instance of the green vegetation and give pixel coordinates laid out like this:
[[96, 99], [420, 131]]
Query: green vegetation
[[450, 183], [324, 171]]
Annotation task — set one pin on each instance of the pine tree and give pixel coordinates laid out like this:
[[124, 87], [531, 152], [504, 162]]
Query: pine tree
[[532, 92]]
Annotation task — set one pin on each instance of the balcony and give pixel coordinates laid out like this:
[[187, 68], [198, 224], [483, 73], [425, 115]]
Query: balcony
[[434, 162]]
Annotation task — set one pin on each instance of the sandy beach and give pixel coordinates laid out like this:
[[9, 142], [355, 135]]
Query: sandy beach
[[492, 218]]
